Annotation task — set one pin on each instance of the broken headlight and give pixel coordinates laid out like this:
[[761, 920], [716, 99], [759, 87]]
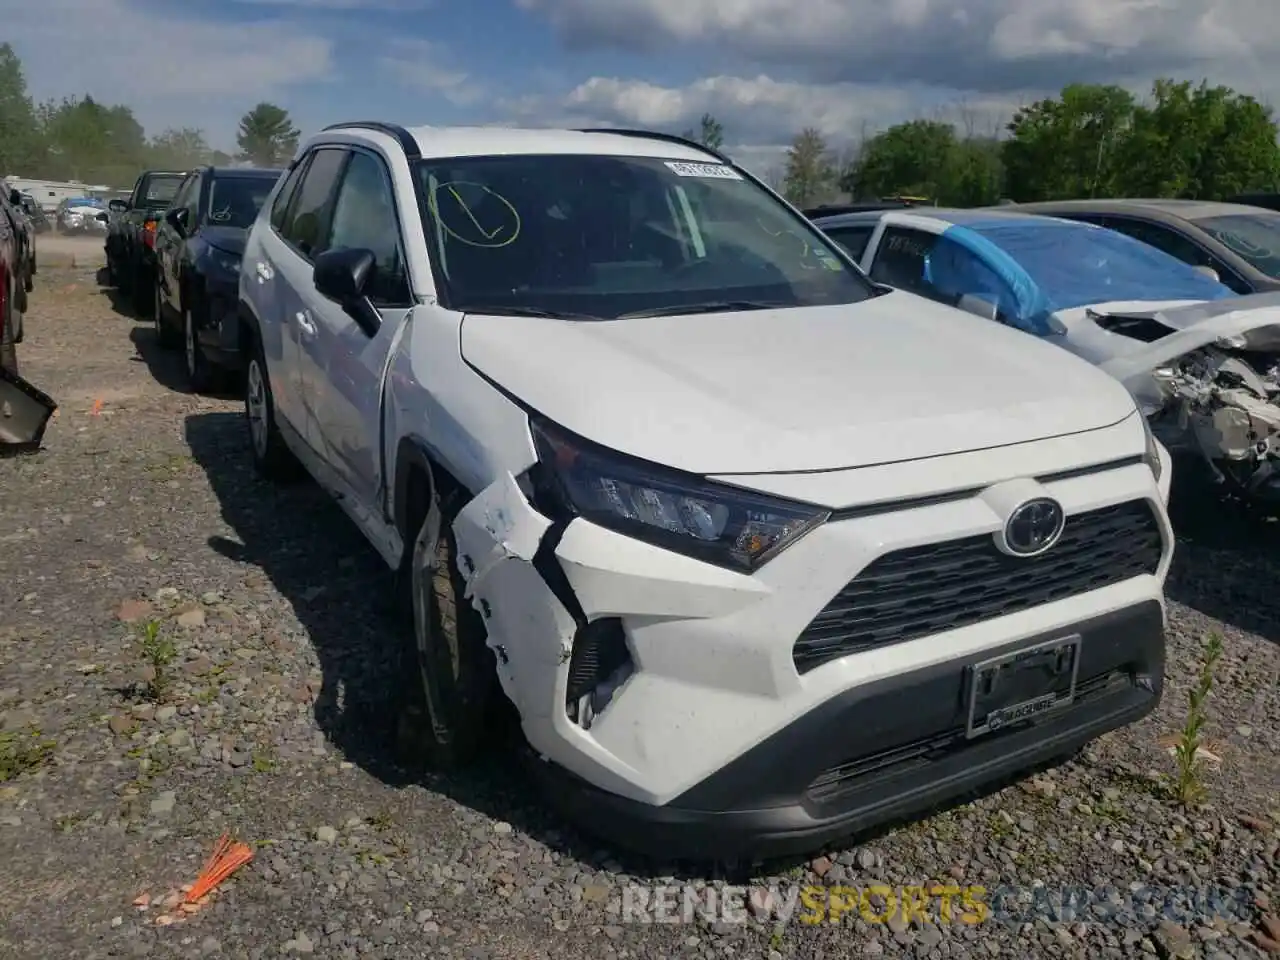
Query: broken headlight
[[676, 511], [1151, 456]]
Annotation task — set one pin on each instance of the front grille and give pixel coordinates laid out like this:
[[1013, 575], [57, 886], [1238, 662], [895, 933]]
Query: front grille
[[929, 589]]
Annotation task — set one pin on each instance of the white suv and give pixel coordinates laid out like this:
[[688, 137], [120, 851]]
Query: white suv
[[762, 554]]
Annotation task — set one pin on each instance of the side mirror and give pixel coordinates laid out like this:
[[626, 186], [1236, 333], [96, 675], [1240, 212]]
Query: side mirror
[[342, 275], [118, 206], [104, 217], [176, 217], [1207, 271], [978, 306], [15, 197]]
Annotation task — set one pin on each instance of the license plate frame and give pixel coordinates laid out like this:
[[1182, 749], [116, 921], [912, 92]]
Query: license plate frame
[[982, 722]]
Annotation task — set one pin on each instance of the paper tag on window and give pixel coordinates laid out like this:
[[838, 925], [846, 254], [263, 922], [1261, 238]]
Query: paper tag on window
[[715, 171]]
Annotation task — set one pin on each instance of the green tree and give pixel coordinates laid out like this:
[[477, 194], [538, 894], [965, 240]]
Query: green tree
[[710, 133], [21, 146], [92, 142], [267, 137], [910, 158], [180, 149], [1069, 147], [811, 173], [926, 158], [1199, 143]]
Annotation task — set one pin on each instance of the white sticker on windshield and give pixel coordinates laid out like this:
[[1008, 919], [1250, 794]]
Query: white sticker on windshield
[[716, 171]]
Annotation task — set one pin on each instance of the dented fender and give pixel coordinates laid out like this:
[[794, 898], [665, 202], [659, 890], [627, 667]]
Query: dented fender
[[529, 629]]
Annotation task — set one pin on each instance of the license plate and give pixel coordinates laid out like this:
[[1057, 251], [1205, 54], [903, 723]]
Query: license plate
[[1007, 690]]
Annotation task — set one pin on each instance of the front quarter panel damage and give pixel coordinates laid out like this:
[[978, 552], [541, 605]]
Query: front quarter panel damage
[[529, 630]]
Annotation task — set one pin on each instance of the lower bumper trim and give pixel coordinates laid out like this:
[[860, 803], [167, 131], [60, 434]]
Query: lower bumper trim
[[779, 798]]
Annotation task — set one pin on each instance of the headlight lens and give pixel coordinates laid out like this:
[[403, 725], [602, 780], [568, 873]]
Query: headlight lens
[[1152, 454], [679, 512]]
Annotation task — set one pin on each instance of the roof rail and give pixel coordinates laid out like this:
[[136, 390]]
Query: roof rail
[[655, 135], [393, 130]]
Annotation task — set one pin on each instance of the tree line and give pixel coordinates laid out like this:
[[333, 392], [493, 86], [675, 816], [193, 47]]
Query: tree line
[[1185, 141], [80, 138]]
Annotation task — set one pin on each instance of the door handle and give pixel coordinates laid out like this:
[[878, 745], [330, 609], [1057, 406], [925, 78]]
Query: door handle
[[304, 322], [264, 271]]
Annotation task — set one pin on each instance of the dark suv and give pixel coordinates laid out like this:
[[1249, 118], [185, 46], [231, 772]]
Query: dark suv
[[198, 246]]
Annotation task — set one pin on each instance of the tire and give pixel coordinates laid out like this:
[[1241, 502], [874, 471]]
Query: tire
[[272, 458], [201, 376], [165, 335], [8, 351], [449, 689]]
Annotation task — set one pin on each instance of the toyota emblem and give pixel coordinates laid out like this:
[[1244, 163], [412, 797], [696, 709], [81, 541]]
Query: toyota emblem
[[1033, 527]]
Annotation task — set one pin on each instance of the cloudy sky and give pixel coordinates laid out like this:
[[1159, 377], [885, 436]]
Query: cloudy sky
[[765, 68]]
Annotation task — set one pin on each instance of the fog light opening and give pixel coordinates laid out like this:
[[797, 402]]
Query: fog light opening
[[598, 667]]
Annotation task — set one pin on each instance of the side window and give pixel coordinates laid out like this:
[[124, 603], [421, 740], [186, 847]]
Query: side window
[[192, 199], [1161, 238], [280, 208], [308, 220], [853, 239], [1176, 245], [900, 258], [184, 191], [364, 216]]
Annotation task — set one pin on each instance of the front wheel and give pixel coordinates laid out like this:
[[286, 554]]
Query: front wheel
[[164, 332], [450, 689], [272, 457], [200, 374]]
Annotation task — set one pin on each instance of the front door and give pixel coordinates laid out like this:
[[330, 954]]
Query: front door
[[345, 361], [303, 236]]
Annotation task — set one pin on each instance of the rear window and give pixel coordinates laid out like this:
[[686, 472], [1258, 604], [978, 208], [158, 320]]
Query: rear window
[[162, 189]]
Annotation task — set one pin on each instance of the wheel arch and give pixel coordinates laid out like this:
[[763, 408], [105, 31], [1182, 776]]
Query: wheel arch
[[420, 477]]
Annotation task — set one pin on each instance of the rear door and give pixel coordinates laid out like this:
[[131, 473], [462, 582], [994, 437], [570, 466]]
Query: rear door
[[261, 285], [304, 236]]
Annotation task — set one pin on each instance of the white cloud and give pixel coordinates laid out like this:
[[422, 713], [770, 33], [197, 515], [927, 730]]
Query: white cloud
[[759, 110], [988, 45], [422, 65], [393, 5], [187, 67]]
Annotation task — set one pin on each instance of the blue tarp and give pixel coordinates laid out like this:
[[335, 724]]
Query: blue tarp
[[1036, 266]]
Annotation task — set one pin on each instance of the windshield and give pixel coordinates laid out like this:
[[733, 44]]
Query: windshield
[[162, 189], [235, 201], [1254, 237], [609, 236], [1076, 264], [85, 202]]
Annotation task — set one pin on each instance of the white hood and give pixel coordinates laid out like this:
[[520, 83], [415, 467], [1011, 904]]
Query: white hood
[[891, 379]]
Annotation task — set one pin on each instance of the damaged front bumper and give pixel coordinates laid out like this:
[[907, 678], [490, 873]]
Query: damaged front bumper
[[664, 698], [1209, 381]]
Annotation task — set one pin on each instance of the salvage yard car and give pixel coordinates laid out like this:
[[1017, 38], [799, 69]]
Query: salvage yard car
[[761, 553], [1203, 362], [198, 247]]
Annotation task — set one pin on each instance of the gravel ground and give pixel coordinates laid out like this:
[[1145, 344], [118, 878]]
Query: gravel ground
[[270, 720]]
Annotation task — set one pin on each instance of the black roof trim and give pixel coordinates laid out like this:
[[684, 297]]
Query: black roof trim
[[396, 132], [655, 135]]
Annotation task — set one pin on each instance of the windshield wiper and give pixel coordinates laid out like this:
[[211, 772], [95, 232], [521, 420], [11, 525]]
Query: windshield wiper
[[515, 311], [715, 306]]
